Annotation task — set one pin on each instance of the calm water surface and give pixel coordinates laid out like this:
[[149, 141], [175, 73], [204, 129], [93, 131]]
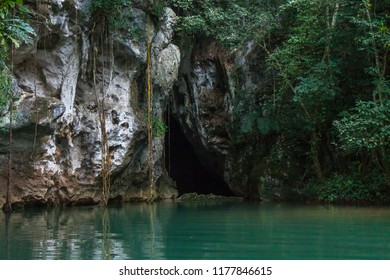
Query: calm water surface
[[197, 231]]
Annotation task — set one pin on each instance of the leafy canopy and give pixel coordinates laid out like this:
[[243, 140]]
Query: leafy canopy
[[118, 15], [231, 22], [13, 33]]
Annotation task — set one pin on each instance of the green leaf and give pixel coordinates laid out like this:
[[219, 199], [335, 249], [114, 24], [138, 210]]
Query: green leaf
[[14, 41]]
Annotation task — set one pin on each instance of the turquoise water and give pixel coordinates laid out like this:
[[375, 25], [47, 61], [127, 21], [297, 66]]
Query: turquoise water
[[165, 230]]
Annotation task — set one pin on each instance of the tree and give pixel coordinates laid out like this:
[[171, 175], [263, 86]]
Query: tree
[[307, 72], [365, 129], [13, 32]]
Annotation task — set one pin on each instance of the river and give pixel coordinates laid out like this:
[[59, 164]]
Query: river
[[171, 230]]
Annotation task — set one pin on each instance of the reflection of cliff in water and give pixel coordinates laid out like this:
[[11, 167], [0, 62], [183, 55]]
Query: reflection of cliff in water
[[83, 233], [204, 230], [133, 231]]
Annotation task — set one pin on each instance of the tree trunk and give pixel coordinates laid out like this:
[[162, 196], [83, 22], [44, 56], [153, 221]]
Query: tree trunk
[[383, 163], [314, 155]]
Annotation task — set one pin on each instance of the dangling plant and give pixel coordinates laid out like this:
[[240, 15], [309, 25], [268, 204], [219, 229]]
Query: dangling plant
[[119, 16], [13, 32], [159, 128]]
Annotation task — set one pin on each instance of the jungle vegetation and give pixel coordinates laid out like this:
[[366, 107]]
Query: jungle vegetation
[[329, 110], [13, 32]]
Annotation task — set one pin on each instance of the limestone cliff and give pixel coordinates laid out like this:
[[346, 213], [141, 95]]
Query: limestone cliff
[[61, 80], [204, 102], [73, 64]]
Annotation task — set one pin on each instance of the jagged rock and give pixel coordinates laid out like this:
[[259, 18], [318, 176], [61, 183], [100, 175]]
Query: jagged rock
[[165, 34], [167, 55], [60, 95], [61, 98], [204, 198], [199, 104], [167, 65], [204, 103]]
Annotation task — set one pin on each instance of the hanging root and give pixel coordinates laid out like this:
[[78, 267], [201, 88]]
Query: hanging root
[[152, 191]]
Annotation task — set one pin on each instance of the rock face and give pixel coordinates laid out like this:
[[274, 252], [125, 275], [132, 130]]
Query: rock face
[[204, 103], [201, 103], [76, 72], [73, 71]]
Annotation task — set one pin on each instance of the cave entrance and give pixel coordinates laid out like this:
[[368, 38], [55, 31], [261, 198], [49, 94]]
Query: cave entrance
[[185, 168]]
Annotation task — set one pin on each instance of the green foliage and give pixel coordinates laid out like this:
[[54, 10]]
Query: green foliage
[[332, 61], [5, 89], [366, 126], [159, 128], [345, 189], [157, 8], [318, 85], [10, 3], [118, 14], [109, 8], [306, 73], [251, 119], [253, 123], [13, 32], [372, 27], [16, 31], [231, 22], [329, 60]]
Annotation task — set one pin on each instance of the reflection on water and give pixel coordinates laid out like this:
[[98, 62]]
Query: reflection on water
[[191, 231]]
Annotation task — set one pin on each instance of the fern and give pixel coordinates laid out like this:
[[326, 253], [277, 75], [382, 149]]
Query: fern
[[17, 32], [13, 31]]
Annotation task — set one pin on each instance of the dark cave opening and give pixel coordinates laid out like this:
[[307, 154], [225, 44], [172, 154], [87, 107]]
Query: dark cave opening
[[185, 168]]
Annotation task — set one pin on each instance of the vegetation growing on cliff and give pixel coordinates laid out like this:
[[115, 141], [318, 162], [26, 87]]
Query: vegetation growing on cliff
[[117, 14], [117, 17], [13, 32], [329, 109], [232, 22]]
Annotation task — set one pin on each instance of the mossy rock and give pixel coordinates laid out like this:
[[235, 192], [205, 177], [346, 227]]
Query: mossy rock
[[194, 197]]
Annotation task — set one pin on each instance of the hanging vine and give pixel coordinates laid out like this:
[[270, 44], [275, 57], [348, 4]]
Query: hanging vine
[[116, 16], [13, 32], [152, 192], [35, 95], [100, 102], [8, 205], [105, 146]]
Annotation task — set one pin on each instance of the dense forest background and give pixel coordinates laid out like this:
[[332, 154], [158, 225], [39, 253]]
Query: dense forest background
[[326, 123], [329, 115]]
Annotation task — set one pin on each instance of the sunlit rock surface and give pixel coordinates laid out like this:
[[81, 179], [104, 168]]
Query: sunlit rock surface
[[58, 106]]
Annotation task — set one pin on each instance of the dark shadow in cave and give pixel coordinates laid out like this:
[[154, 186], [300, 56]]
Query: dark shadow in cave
[[185, 168]]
